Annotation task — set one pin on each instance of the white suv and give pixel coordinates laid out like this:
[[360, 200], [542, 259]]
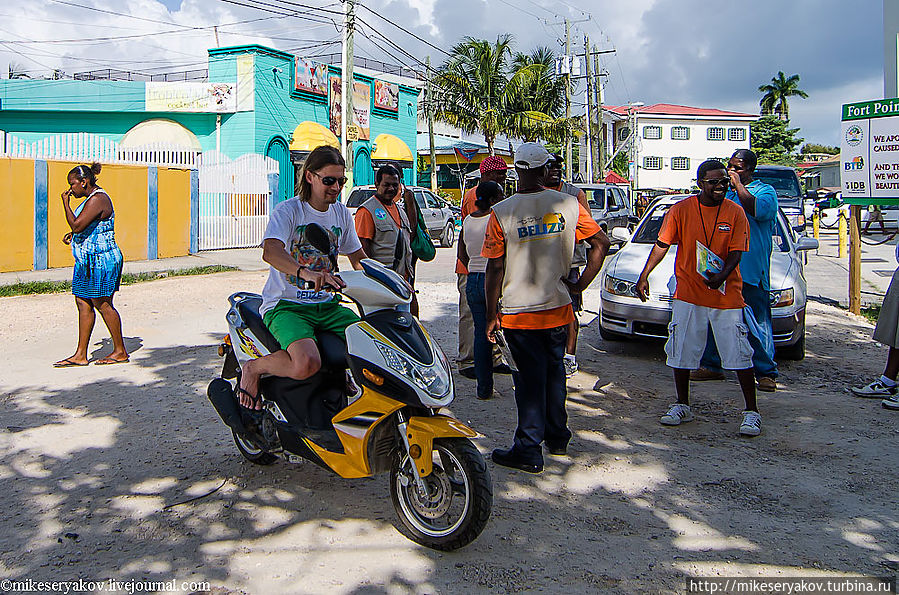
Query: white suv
[[439, 218]]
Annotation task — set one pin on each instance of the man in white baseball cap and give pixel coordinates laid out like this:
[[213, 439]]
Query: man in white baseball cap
[[529, 242]]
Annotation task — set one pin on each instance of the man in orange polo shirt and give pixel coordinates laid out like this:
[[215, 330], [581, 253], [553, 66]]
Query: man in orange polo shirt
[[493, 169], [530, 239], [711, 234]]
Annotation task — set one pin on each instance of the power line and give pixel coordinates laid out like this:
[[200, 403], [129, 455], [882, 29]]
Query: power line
[[404, 30]]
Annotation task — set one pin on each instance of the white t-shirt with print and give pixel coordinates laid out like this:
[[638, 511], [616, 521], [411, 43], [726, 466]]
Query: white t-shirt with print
[[288, 223]]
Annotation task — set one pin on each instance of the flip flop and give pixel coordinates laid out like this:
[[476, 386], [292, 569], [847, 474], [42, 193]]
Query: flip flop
[[108, 361], [68, 363], [249, 394]]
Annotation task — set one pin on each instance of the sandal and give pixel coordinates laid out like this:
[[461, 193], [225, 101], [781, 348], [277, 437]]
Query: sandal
[[108, 361], [256, 400], [68, 363]]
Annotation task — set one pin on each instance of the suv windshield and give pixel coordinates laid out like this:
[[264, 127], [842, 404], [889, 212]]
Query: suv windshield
[[784, 181], [359, 196]]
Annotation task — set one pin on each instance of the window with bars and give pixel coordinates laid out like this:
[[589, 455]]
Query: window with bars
[[652, 163], [715, 133], [680, 163], [737, 134], [680, 133], [652, 132]]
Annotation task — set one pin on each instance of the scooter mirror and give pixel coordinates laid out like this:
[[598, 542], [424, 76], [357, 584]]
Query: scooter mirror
[[318, 237]]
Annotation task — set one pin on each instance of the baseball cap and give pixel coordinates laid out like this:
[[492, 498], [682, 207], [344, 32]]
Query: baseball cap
[[531, 156], [493, 163]]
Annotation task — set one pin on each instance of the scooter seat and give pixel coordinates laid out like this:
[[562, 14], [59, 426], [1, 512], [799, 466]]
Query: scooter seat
[[331, 347]]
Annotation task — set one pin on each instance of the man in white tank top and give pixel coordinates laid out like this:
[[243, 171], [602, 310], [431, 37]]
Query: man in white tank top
[[530, 241]]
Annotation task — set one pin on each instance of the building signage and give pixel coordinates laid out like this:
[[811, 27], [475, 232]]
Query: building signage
[[869, 152], [311, 77], [361, 107], [387, 96], [246, 83], [190, 97]]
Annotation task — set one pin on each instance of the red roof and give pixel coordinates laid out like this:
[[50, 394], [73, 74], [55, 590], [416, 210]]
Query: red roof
[[675, 110], [613, 178]]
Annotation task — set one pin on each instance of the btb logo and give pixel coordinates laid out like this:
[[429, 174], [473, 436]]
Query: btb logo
[[857, 163]]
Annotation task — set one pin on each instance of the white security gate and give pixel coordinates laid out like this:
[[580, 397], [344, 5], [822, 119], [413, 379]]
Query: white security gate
[[86, 147], [235, 199]]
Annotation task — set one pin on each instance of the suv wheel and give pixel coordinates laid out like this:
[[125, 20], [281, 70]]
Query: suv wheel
[[448, 237]]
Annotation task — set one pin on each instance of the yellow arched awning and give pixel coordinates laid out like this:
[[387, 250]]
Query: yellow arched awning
[[391, 148], [309, 135], [159, 130]]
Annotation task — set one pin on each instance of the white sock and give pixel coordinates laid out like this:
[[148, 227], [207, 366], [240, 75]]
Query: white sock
[[887, 382], [572, 357]]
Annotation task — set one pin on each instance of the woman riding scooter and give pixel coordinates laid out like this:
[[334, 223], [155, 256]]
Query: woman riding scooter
[[293, 313]]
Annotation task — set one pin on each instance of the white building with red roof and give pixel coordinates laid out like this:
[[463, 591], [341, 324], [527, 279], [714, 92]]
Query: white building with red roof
[[672, 140]]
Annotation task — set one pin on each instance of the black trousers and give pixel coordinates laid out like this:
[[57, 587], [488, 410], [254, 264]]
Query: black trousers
[[540, 390]]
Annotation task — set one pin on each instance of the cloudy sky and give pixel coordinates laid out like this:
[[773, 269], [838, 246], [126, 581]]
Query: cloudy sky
[[688, 52]]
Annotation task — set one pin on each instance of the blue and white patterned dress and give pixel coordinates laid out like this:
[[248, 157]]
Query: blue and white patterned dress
[[98, 260]]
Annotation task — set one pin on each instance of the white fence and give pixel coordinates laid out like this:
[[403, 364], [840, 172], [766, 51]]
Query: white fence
[[235, 199], [86, 147]]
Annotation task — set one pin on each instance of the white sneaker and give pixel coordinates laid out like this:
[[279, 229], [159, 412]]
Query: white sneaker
[[891, 403], [570, 366], [677, 414], [752, 424], [875, 390]]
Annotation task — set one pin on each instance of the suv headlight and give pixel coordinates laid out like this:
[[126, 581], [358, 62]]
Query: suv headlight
[[433, 379], [781, 298], [617, 286]]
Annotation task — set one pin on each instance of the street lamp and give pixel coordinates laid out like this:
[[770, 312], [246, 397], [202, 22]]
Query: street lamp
[[634, 153]]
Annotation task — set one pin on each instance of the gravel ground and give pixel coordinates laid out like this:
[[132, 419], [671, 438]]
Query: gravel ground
[[98, 464]]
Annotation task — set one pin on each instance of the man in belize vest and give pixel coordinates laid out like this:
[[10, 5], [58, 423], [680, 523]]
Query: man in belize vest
[[383, 228], [530, 239]]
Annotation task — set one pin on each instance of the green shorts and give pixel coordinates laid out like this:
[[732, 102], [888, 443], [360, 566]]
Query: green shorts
[[290, 321]]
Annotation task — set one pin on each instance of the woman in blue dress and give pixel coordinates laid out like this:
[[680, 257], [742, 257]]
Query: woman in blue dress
[[98, 264]]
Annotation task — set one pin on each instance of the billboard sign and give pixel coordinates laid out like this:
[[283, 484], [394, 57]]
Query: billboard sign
[[310, 77], [869, 151], [387, 96], [190, 97]]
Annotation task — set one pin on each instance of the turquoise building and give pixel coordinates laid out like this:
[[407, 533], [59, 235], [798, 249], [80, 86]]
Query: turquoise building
[[256, 100]]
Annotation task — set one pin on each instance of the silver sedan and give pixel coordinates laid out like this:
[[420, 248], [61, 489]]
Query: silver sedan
[[622, 314]]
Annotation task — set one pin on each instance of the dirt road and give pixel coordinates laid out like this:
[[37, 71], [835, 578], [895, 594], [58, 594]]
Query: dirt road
[[96, 465]]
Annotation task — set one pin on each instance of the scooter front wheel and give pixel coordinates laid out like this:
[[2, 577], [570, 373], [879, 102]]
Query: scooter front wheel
[[251, 452], [455, 505]]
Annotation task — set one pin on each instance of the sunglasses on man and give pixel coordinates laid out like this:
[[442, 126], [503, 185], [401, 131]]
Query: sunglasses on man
[[330, 180], [717, 181]]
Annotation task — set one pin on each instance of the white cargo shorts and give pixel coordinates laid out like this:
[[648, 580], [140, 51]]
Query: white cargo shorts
[[688, 333]]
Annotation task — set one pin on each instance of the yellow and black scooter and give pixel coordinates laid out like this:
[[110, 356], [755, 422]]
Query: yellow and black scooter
[[439, 482]]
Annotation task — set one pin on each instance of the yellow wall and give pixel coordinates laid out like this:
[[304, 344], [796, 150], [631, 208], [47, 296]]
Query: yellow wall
[[17, 214], [126, 186], [174, 212]]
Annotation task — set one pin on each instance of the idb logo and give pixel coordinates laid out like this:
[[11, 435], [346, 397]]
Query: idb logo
[[855, 187], [856, 164]]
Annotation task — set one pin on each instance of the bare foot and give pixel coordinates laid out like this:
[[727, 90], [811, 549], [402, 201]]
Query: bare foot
[[248, 391], [116, 357], [71, 361]]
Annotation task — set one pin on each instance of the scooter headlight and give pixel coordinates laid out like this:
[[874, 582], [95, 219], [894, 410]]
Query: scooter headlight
[[433, 379]]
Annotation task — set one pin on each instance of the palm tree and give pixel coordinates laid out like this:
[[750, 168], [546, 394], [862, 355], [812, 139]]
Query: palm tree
[[537, 105], [481, 88], [776, 93]]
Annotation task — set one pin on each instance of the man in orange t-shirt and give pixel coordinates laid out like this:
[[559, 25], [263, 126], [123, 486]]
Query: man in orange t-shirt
[[711, 234], [530, 239], [493, 169]]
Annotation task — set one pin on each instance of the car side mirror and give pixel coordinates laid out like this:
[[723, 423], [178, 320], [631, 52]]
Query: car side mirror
[[621, 234], [812, 194], [633, 219], [806, 243]]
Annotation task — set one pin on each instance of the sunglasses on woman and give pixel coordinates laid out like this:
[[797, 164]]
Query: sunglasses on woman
[[330, 180]]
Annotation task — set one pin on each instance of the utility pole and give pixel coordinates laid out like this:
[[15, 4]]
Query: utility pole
[[216, 30], [598, 144], [589, 158], [347, 91], [429, 106], [568, 97]]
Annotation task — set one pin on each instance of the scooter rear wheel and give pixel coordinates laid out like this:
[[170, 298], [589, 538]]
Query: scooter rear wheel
[[251, 452], [458, 501]]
